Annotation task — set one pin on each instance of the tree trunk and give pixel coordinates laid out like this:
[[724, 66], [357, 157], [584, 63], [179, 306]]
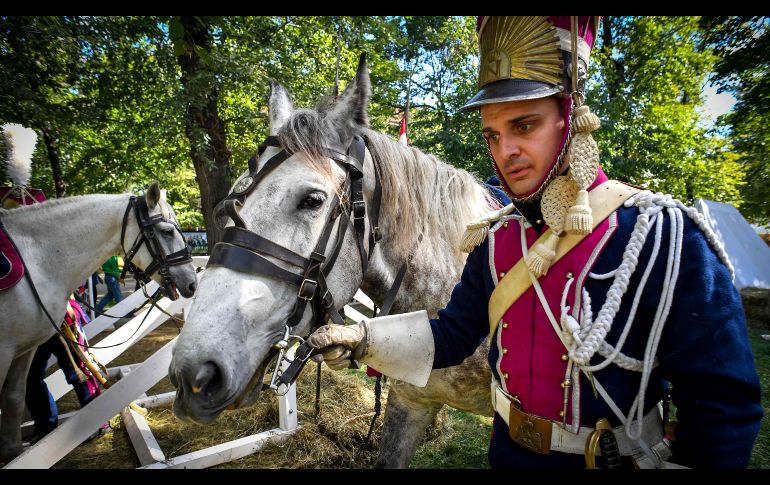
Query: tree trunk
[[203, 127], [53, 157]]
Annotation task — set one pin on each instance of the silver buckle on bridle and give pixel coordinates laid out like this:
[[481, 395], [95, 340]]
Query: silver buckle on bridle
[[300, 293]]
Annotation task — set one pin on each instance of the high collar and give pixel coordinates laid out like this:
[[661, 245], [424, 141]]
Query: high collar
[[531, 212]]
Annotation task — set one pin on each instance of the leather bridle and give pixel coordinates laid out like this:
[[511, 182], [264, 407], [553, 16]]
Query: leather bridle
[[241, 249], [161, 262]]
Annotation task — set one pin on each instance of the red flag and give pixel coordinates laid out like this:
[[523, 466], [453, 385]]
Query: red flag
[[402, 133]]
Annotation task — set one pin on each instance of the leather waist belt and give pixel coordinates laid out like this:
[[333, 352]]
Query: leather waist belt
[[543, 435]]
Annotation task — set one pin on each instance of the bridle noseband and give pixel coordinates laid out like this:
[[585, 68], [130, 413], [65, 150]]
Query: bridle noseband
[[161, 262]]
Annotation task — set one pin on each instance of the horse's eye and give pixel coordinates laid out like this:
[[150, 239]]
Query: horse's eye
[[313, 201], [165, 227]]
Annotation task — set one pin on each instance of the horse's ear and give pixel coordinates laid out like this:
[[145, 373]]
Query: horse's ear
[[279, 106], [353, 105], [152, 195]]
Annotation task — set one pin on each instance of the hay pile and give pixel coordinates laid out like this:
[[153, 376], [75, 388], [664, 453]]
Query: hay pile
[[333, 440]]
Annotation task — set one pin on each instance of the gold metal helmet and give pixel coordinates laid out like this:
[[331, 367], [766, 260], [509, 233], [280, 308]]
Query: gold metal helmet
[[531, 57]]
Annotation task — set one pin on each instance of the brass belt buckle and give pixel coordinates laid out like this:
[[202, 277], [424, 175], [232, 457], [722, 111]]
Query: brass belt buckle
[[529, 431]]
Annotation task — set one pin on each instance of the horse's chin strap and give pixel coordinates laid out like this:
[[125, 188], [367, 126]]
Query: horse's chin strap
[[161, 262]]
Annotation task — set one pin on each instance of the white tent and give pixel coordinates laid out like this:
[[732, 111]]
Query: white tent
[[749, 254]]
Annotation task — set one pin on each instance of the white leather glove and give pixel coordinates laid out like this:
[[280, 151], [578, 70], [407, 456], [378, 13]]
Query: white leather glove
[[340, 345]]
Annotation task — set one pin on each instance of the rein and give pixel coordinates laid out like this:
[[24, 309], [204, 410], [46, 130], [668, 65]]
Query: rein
[[241, 250]]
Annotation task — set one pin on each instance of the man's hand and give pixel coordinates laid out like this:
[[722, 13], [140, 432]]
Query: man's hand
[[339, 344]]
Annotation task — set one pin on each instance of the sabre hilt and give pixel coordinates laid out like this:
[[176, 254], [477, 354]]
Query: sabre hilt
[[602, 439], [610, 453]]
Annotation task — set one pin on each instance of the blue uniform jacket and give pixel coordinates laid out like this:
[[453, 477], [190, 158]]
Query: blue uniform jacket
[[704, 352]]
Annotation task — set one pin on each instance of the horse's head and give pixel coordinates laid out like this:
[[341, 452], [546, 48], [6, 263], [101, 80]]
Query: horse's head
[[159, 247], [291, 236]]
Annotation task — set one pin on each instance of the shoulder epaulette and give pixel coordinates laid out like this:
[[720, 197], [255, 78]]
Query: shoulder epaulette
[[476, 231]]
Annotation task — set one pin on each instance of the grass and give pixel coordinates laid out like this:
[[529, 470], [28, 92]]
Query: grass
[[760, 456], [463, 442]]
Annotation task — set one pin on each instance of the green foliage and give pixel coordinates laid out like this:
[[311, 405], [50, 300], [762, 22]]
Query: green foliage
[[743, 47], [445, 79], [463, 442], [113, 119], [648, 76], [109, 87], [108, 92]]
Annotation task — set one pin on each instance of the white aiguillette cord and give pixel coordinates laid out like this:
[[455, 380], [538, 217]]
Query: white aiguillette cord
[[557, 329]]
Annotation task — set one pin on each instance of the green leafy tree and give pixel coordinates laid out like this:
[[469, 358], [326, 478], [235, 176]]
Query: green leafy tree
[[38, 81], [742, 45], [120, 101], [649, 74], [100, 90], [205, 130], [443, 53]]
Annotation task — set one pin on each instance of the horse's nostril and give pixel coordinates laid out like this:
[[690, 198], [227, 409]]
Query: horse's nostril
[[192, 287], [206, 379]]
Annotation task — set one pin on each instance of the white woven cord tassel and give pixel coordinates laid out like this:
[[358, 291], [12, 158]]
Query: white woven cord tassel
[[584, 121], [554, 203], [583, 154], [541, 256], [579, 217]]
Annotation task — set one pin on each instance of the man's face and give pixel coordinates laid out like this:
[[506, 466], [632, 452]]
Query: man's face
[[524, 137]]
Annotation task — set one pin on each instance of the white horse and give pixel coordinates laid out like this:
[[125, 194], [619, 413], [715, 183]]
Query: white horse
[[236, 317], [62, 242]]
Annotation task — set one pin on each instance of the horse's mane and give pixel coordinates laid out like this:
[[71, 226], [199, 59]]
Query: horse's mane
[[420, 192]]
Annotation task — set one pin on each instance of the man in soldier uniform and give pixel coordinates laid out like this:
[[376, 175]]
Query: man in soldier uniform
[[598, 297]]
